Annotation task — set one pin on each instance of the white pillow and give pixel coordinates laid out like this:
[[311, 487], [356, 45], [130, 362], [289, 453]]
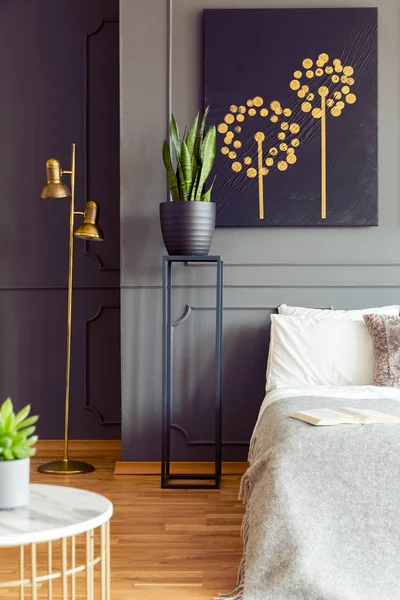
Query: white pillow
[[313, 351], [299, 311]]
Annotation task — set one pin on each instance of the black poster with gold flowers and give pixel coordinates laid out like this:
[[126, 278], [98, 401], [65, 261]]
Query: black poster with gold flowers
[[293, 94]]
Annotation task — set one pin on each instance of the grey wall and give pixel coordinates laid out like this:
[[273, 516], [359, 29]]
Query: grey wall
[[263, 268]]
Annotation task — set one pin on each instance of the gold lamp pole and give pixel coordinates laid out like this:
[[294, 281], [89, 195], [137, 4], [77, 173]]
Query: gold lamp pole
[[88, 230]]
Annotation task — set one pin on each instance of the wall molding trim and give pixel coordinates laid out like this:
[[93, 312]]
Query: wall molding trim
[[190, 442], [123, 467], [290, 275], [87, 405], [295, 286], [306, 286], [295, 265], [55, 288], [87, 247]]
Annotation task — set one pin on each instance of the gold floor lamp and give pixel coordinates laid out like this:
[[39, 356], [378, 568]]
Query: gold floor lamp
[[88, 230]]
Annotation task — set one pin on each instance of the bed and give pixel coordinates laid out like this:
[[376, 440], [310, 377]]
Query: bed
[[322, 517]]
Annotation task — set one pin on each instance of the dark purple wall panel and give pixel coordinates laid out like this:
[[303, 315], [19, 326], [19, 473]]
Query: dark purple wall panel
[[60, 86]]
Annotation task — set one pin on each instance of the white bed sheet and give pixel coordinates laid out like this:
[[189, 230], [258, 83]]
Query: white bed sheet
[[345, 392]]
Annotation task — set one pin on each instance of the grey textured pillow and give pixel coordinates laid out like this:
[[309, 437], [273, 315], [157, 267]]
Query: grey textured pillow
[[385, 333]]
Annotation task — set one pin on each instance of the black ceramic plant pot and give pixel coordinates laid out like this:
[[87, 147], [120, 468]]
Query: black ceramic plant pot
[[187, 227]]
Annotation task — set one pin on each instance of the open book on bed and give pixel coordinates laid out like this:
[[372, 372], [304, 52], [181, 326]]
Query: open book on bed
[[339, 416]]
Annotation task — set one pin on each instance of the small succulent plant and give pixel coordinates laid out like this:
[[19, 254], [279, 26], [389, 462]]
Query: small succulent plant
[[16, 439]]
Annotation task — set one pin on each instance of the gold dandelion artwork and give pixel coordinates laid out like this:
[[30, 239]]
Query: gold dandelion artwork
[[318, 98], [293, 94], [275, 156], [326, 98]]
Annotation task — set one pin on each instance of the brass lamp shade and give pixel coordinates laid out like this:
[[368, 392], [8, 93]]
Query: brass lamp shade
[[89, 230], [55, 190], [54, 187]]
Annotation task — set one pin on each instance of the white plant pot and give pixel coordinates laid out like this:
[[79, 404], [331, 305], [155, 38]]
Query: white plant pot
[[14, 483]]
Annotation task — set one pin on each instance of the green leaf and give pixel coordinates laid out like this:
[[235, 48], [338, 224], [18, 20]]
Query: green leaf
[[206, 197], [208, 147], [20, 437], [188, 140], [173, 184], [194, 168], [191, 136], [9, 424], [8, 455], [5, 442], [194, 187], [27, 422], [204, 119], [199, 138], [21, 452], [186, 162], [6, 409], [32, 440], [24, 433], [175, 139], [207, 155], [181, 181], [23, 413]]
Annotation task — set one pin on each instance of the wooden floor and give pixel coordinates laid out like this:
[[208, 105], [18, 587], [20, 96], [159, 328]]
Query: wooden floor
[[165, 544]]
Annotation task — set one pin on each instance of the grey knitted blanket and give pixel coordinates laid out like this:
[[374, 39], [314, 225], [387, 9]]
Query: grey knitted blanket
[[322, 507]]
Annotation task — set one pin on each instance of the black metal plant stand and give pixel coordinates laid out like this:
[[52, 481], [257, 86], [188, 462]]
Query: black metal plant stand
[[182, 480]]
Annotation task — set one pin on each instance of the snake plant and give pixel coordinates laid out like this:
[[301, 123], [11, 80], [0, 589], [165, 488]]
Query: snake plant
[[16, 439], [194, 155]]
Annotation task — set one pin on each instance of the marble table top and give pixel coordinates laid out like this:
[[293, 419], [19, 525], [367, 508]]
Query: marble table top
[[53, 512]]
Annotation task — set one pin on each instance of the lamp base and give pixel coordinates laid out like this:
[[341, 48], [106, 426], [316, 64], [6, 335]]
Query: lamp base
[[66, 467]]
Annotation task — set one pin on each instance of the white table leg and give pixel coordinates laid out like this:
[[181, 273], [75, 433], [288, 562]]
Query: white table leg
[[21, 573], [108, 571], [50, 570], [73, 565], [92, 559], [34, 572], [89, 565], [64, 569], [103, 557]]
